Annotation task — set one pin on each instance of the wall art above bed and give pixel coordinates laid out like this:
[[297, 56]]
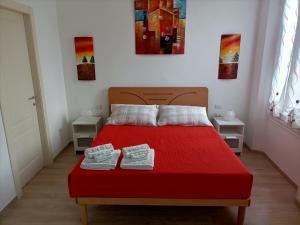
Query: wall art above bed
[[229, 56], [85, 60], [160, 26]]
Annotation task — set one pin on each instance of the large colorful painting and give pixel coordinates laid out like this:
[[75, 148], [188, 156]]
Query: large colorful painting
[[160, 26], [229, 56], [85, 58]]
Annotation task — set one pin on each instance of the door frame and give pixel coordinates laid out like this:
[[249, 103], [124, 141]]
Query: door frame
[[38, 87]]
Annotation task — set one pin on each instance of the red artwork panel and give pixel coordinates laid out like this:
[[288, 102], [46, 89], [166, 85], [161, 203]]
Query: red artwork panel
[[160, 26], [229, 56], [85, 60]]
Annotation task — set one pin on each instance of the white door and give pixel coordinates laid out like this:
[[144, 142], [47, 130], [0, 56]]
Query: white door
[[17, 99]]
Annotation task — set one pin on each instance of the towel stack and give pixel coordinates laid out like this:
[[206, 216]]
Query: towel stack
[[102, 157], [139, 157]]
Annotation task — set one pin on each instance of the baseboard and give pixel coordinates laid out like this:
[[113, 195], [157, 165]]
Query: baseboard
[[254, 150], [2, 211], [275, 165], [298, 197], [55, 156]]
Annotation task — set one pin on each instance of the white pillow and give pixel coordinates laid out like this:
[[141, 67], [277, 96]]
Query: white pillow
[[124, 114], [182, 115]]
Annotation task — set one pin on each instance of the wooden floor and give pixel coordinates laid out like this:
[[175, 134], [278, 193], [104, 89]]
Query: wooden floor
[[46, 202]]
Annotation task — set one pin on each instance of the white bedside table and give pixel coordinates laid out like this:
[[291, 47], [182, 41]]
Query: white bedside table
[[232, 132], [85, 129]]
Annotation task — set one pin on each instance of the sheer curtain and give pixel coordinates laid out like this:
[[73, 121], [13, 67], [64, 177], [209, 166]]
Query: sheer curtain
[[285, 97]]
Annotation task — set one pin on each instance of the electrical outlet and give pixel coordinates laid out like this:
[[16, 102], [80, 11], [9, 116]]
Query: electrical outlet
[[97, 110], [218, 115], [101, 113], [218, 107]]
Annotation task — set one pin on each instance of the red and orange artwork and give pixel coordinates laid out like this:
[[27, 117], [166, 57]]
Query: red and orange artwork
[[229, 56], [160, 26], [85, 58]]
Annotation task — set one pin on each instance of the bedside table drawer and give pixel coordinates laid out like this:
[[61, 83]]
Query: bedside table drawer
[[85, 135], [232, 132], [85, 129], [228, 129], [233, 142], [84, 142]]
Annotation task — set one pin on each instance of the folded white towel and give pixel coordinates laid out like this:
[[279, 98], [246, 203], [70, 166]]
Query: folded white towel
[[128, 151], [103, 155], [90, 152], [91, 164], [137, 156], [146, 164]]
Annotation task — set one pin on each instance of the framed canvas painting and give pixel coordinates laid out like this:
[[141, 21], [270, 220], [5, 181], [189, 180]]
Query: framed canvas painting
[[85, 58], [229, 56], [160, 26]]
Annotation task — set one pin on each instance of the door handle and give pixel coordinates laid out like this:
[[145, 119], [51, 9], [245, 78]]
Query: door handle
[[31, 98]]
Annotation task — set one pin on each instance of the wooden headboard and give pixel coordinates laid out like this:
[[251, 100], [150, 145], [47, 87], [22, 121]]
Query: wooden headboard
[[195, 96]]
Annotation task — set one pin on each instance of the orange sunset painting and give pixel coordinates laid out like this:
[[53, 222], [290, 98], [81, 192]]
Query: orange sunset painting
[[229, 56], [85, 58]]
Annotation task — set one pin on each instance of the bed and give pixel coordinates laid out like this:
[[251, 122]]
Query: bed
[[193, 165]]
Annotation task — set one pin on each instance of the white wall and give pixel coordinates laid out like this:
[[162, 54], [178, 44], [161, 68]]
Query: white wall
[[265, 133], [45, 16], [283, 147], [111, 23], [7, 185]]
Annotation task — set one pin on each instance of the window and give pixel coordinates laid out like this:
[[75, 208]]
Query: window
[[285, 96]]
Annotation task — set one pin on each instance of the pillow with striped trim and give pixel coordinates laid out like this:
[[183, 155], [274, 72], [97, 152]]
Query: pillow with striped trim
[[124, 114], [182, 115]]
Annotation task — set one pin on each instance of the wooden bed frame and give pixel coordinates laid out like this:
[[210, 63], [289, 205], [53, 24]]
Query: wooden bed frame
[[196, 96]]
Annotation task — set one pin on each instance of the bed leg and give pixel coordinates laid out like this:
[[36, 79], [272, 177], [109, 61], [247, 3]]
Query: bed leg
[[241, 215], [83, 214]]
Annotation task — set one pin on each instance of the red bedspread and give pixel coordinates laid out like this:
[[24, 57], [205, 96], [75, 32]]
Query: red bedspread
[[190, 162]]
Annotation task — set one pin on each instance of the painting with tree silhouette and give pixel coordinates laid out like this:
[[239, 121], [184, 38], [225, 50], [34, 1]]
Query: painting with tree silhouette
[[85, 58], [160, 26], [229, 56]]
